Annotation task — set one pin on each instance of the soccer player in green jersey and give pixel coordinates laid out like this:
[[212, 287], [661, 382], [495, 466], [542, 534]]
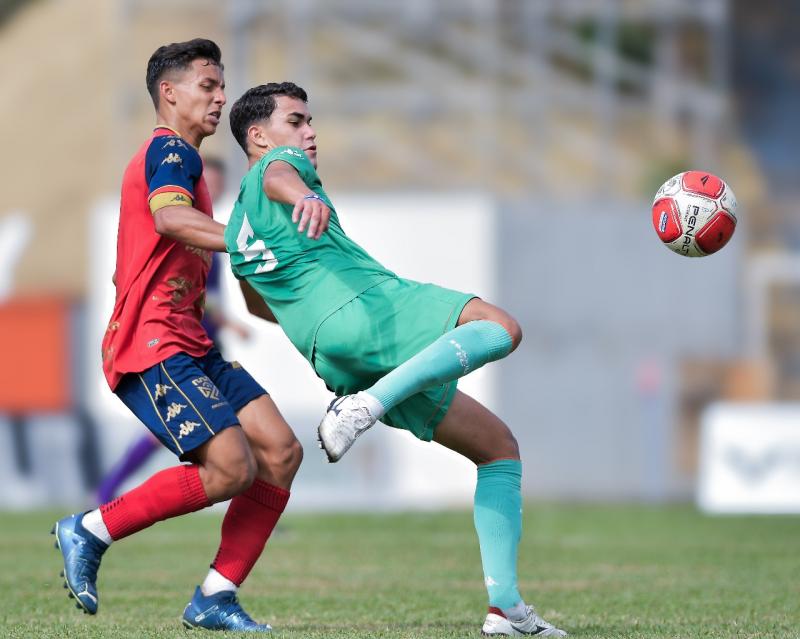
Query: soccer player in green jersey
[[391, 349]]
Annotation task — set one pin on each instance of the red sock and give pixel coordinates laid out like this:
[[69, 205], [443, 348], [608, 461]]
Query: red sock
[[247, 525], [169, 493]]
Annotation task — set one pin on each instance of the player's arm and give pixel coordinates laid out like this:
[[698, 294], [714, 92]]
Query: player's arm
[[190, 226], [282, 183], [173, 169], [255, 303]]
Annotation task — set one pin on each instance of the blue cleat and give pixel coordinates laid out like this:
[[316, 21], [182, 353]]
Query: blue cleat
[[220, 611], [82, 552]]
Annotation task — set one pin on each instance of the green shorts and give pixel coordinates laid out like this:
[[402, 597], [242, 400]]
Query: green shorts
[[380, 329]]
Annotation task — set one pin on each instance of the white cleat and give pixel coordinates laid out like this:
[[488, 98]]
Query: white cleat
[[346, 419], [497, 624]]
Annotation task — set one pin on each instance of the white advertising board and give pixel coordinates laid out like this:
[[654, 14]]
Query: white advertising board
[[750, 459]]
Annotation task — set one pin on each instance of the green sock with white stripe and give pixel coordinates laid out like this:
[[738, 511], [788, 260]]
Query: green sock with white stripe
[[455, 354]]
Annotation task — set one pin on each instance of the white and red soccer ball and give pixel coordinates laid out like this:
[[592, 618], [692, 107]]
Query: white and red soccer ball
[[694, 213]]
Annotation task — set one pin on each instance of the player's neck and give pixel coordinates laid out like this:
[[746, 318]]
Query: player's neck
[[181, 129]]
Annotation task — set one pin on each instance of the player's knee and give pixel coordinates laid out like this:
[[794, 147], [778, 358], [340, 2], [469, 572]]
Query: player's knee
[[283, 459], [513, 446], [514, 330], [505, 447], [236, 476]]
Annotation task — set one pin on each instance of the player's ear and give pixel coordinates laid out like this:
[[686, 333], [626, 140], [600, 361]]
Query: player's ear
[[257, 137], [166, 91]]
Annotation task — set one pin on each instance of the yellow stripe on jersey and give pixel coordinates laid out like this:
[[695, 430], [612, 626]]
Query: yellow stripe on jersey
[[169, 198]]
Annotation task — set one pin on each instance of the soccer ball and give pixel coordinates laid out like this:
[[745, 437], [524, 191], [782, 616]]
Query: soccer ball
[[694, 213]]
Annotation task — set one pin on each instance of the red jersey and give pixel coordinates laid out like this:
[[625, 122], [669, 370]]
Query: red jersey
[[160, 282]]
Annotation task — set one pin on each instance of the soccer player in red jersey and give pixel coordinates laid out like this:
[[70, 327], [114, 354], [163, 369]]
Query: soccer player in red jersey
[[159, 361]]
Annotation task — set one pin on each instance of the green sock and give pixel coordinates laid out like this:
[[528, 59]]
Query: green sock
[[498, 520], [456, 353]]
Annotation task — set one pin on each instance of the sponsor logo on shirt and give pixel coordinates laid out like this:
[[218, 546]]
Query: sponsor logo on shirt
[[180, 288], [152, 342], [172, 142], [172, 158], [201, 253], [292, 152]]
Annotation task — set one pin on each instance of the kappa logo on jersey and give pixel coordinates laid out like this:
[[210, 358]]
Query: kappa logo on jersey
[[161, 390], [174, 142], [186, 428], [174, 409], [292, 152], [172, 158], [206, 387], [181, 198]]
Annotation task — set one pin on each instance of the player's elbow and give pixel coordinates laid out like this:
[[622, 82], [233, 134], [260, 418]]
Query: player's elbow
[[272, 186], [164, 223]]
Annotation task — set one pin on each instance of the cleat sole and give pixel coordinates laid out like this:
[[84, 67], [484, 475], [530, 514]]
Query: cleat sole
[[331, 460], [70, 594]]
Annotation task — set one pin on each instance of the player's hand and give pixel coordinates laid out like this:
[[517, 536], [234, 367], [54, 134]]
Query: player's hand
[[311, 212]]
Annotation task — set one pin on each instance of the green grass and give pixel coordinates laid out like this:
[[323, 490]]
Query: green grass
[[597, 571]]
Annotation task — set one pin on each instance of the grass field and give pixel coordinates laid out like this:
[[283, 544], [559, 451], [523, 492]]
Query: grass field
[[597, 571]]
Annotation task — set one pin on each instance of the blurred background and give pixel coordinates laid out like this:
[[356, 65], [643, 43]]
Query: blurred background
[[506, 147]]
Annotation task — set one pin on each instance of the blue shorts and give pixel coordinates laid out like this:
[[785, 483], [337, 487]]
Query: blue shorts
[[185, 400]]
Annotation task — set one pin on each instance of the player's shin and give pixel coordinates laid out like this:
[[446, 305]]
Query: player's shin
[[247, 525], [169, 493], [498, 522], [455, 354]]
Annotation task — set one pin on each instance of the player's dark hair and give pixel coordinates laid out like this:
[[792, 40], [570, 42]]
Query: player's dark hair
[[258, 104], [179, 56]]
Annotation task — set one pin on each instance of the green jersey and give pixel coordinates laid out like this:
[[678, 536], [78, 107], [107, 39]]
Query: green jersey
[[302, 280]]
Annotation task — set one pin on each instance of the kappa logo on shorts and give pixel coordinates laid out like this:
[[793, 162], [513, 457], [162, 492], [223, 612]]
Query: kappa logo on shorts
[[186, 428], [161, 390], [174, 409], [206, 387]]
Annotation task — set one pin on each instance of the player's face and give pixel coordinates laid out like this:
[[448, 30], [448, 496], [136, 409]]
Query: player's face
[[199, 95], [290, 125]]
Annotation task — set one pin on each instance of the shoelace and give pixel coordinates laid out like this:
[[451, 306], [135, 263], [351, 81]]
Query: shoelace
[[234, 608], [89, 562]]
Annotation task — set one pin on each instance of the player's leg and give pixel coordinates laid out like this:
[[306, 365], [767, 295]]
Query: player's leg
[[474, 431], [134, 457], [483, 333], [253, 514], [223, 465]]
